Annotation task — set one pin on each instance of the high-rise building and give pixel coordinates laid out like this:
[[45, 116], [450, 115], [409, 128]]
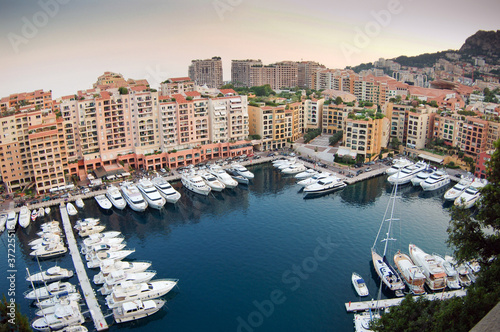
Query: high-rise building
[[305, 72], [207, 72], [177, 85], [240, 72], [273, 124]]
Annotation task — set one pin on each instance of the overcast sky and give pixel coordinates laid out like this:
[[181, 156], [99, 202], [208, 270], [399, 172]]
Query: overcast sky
[[64, 45]]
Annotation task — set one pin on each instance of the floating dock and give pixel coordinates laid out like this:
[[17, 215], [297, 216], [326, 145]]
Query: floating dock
[[88, 292], [382, 304]]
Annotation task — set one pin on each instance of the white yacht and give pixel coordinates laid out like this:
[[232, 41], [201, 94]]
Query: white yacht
[[110, 266], [119, 276], [50, 250], [71, 209], [359, 285], [470, 196], [51, 274], [55, 288], [127, 291], [151, 195], [406, 174], [55, 299], [11, 221], [212, 181], [87, 222], [453, 193], [387, 274], [222, 176], [46, 240], [411, 274], [133, 197], [433, 271], [115, 197], [325, 185], [136, 309], [306, 174], [103, 202], [89, 230], [284, 162], [41, 212], [452, 280], [99, 257], [47, 210], [313, 179], [242, 170], [79, 203], [3, 221], [397, 165], [294, 169], [90, 251], [166, 189], [437, 180], [195, 183], [463, 272], [421, 177], [64, 315], [24, 216], [363, 320], [102, 238]]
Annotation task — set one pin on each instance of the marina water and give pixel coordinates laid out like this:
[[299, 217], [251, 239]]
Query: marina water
[[257, 258]]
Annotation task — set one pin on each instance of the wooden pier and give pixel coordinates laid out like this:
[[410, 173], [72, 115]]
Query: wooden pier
[[382, 304], [88, 292]]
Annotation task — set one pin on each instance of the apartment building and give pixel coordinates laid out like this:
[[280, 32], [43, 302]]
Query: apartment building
[[446, 127], [420, 126], [313, 112], [332, 79], [297, 119], [334, 117], [176, 85], [473, 136], [241, 72], [305, 72], [39, 99], [365, 135], [398, 116], [207, 72], [272, 124]]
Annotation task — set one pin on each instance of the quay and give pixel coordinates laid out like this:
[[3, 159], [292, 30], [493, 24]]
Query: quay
[[94, 308], [382, 304]]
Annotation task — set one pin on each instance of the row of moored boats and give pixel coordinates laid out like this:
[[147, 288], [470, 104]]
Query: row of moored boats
[[11, 219]]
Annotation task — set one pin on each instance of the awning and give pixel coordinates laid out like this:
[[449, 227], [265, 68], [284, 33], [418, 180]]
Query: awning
[[431, 158], [126, 174]]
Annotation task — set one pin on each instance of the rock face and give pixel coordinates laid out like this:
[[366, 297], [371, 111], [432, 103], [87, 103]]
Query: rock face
[[482, 43]]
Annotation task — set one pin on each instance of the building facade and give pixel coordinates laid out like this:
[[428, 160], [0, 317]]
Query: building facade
[[207, 72]]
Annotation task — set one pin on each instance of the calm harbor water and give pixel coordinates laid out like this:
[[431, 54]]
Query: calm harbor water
[[257, 258]]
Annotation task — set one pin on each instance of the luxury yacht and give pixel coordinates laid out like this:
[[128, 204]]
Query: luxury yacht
[[50, 250], [55, 299], [54, 273], [463, 272], [99, 257], [211, 181], [422, 176], [471, 195], [437, 180], [294, 169], [313, 179], [433, 271], [136, 309], [11, 221], [127, 291], [452, 280], [306, 174], [115, 197], [407, 173], [412, 274], [166, 190], [64, 315], [24, 216], [397, 165], [119, 276], [453, 193], [151, 195], [91, 250], [103, 202], [195, 183], [103, 237], [242, 170], [133, 197], [325, 185], [89, 230], [111, 266], [55, 288], [222, 176]]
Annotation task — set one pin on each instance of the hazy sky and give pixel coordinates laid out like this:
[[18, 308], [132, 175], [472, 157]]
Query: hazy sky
[[64, 45]]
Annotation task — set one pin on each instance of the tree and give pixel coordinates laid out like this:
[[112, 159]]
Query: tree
[[338, 101], [123, 90], [336, 137], [395, 143]]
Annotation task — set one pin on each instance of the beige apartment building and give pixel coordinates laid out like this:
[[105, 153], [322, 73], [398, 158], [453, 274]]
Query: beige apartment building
[[365, 135], [207, 72], [334, 117], [420, 125], [38, 99], [305, 72], [272, 124], [446, 127], [313, 112]]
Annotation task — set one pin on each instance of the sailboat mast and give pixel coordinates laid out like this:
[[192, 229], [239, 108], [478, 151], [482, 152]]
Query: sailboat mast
[[393, 197]]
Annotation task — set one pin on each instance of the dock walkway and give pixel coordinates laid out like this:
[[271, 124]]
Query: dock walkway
[[92, 304], [382, 304]]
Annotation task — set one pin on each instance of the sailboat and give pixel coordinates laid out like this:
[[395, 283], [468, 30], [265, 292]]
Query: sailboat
[[381, 264]]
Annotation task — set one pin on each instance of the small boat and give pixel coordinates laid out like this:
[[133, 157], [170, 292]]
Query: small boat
[[127, 291], [55, 299], [473, 267], [437, 180], [11, 221], [103, 202], [136, 309], [41, 212], [24, 217], [64, 315], [50, 250], [359, 284], [34, 214], [71, 209], [115, 197], [3, 221], [54, 273], [306, 174], [463, 273], [212, 181], [151, 194], [89, 230], [411, 274], [453, 193], [166, 190], [47, 210], [194, 183], [452, 280], [79, 203], [55, 288]]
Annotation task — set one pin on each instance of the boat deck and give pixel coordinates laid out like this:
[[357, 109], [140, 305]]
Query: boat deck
[[92, 304], [382, 304]]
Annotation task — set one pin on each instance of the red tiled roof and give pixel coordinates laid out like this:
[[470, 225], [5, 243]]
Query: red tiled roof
[[179, 79], [193, 94], [227, 91]]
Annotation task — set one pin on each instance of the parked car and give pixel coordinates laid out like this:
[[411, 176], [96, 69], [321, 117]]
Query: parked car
[[359, 172], [368, 169]]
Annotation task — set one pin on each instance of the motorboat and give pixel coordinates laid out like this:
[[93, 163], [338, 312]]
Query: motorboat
[[47, 210], [55, 299], [433, 271], [133, 197], [407, 173], [87, 222], [437, 180], [422, 176], [3, 221], [50, 230], [119, 276], [64, 315], [195, 183], [50, 250], [103, 202], [11, 221], [453, 193], [88, 251], [41, 212], [79, 203], [313, 179], [212, 181], [115, 197], [166, 190], [306, 174], [412, 275], [101, 238], [34, 214], [471, 195], [325, 185], [452, 280], [101, 244], [284, 161], [128, 291], [24, 216], [473, 267], [89, 230], [114, 255], [294, 169], [363, 320], [54, 273], [136, 309], [238, 178], [55, 288], [398, 165], [463, 272], [242, 170], [110, 266], [222, 176], [359, 284], [71, 209], [151, 194], [47, 240], [74, 328]]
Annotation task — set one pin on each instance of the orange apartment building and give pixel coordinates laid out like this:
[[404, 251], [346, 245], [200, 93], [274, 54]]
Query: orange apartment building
[[39, 99], [272, 124]]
